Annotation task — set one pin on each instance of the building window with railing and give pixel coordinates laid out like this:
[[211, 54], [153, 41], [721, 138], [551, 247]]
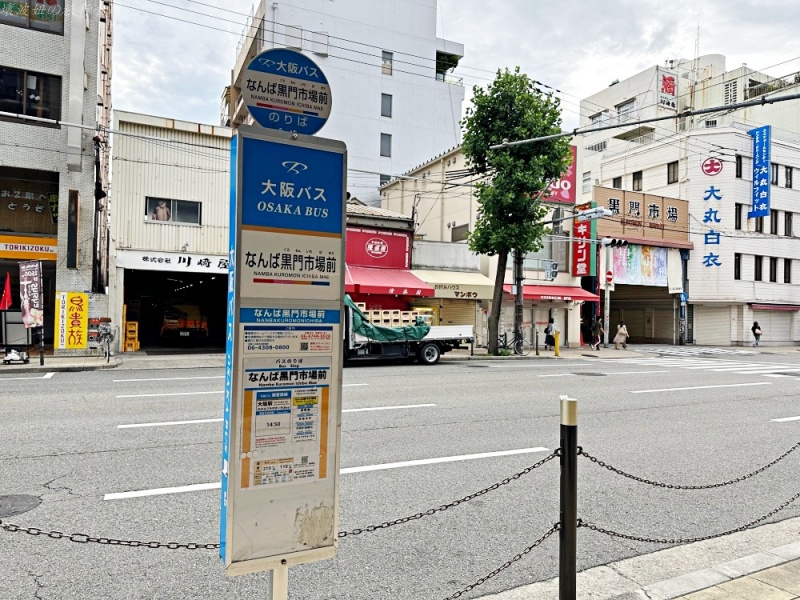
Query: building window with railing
[[637, 181], [626, 111], [387, 62], [672, 172], [30, 93]]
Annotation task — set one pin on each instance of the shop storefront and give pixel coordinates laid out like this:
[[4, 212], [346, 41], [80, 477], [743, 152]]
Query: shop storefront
[[28, 231]]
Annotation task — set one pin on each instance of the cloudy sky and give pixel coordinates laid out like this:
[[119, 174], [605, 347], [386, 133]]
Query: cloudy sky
[[173, 62]]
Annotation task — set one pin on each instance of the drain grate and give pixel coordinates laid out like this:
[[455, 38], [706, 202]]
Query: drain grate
[[17, 504]]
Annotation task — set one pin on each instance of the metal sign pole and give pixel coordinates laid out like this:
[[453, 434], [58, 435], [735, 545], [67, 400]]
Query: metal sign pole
[[567, 554], [41, 329], [607, 310]]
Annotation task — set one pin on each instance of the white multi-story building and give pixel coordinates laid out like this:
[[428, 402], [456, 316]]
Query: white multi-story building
[[739, 269], [394, 101], [50, 95]]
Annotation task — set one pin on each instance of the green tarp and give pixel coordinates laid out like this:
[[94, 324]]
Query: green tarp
[[362, 326]]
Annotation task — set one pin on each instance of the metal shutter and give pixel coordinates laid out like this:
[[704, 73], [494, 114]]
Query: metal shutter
[[457, 312], [712, 325]]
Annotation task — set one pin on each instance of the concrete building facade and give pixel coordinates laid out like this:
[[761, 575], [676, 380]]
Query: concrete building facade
[[394, 100]]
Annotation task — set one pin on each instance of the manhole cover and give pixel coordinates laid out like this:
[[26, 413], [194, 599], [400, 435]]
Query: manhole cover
[[591, 374], [18, 504]]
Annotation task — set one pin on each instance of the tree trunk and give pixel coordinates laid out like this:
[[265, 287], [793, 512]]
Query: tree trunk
[[497, 303]]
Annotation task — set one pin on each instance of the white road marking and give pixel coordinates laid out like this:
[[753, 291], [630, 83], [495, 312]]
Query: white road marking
[[161, 491], [444, 459], [700, 387], [165, 423], [784, 419], [409, 463], [45, 376], [171, 378], [344, 410], [559, 375], [170, 394], [354, 384], [192, 422]]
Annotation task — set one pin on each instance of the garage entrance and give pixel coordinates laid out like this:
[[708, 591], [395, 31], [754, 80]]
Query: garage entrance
[[176, 310]]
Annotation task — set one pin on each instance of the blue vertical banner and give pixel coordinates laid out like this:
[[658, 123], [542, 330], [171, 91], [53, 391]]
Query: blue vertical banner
[[229, 337], [762, 154]]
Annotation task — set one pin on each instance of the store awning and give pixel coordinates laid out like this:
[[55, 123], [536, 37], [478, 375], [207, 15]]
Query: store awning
[[786, 307], [559, 293], [457, 284], [389, 282]]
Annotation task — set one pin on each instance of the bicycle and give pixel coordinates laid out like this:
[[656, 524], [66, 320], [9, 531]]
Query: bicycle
[[105, 335], [518, 345]]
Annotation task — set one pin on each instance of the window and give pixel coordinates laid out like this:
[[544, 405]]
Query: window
[[387, 59], [34, 14], [598, 147], [788, 182], [587, 182], [30, 93], [711, 123], [166, 210], [773, 222], [739, 166], [600, 118], [386, 144], [730, 92], [385, 179], [773, 269], [787, 224], [459, 233], [637, 181], [672, 172], [616, 183], [774, 174], [626, 111], [386, 105], [787, 270], [737, 216], [758, 265], [760, 224], [737, 266]]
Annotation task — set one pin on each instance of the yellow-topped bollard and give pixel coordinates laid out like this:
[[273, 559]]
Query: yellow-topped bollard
[[557, 336]]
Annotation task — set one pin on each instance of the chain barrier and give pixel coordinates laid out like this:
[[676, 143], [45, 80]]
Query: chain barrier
[[639, 538], [670, 486], [506, 564], [82, 538], [452, 504]]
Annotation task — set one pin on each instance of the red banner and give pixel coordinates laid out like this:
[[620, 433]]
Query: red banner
[[30, 292], [368, 247], [563, 190]]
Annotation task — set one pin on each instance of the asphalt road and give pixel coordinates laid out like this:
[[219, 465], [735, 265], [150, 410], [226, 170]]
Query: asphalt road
[[688, 420]]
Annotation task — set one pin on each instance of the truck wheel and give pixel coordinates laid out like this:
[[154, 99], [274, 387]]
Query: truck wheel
[[429, 354]]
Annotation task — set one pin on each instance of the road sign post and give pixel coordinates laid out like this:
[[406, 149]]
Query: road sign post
[[282, 415]]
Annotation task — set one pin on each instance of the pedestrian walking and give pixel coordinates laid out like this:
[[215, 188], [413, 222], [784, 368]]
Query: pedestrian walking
[[597, 334], [549, 337], [621, 337], [756, 329]]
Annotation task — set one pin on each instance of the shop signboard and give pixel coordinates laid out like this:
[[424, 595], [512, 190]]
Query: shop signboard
[[762, 155], [563, 190], [368, 247], [72, 320], [584, 253], [282, 411]]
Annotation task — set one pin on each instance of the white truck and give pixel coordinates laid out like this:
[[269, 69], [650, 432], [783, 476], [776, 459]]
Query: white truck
[[422, 343]]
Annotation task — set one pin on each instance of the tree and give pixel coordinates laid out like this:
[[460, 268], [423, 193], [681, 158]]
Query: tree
[[514, 178]]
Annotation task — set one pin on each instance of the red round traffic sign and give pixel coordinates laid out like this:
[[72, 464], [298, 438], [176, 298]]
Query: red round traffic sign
[[609, 276]]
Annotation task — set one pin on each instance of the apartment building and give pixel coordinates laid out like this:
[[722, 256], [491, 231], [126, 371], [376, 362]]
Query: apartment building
[[395, 101]]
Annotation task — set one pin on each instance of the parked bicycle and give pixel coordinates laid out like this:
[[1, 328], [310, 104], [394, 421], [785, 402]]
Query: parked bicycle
[[518, 345], [105, 335]]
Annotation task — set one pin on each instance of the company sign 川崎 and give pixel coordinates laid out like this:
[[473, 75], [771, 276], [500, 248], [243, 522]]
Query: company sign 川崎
[[382, 248]]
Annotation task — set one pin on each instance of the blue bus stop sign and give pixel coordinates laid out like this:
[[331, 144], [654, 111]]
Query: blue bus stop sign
[[284, 89]]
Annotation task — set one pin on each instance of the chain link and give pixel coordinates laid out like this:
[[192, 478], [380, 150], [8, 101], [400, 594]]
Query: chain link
[[671, 486], [506, 564], [82, 538], [452, 504], [639, 538]]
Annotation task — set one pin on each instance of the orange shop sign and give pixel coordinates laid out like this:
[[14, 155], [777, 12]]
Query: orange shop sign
[[72, 320], [25, 247]]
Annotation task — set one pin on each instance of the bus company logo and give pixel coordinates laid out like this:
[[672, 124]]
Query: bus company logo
[[377, 247]]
